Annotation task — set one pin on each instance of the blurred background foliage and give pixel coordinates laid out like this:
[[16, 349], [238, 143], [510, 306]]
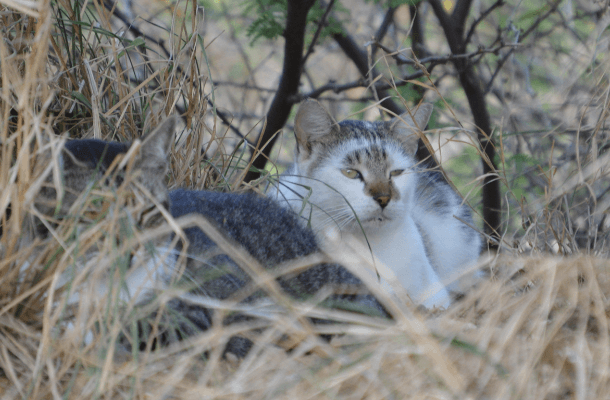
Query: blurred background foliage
[[540, 67], [520, 88]]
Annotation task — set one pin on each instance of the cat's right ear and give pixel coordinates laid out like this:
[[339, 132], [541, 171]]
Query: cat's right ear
[[409, 125], [159, 142], [311, 124]]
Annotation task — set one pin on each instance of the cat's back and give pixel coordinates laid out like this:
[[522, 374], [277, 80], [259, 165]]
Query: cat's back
[[269, 232], [94, 152], [434, 195]]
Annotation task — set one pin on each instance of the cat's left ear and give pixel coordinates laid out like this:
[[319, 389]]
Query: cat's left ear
[[312, 124], [158, 143], [409, 124]]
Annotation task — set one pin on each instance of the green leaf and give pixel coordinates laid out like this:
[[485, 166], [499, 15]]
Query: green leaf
[[79, 96], [270, 18]]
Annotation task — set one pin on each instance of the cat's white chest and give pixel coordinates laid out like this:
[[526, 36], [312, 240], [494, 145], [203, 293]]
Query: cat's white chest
[[400, 247]]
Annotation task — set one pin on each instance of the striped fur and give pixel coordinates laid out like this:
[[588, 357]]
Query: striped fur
[[270, 234], [361, 179]]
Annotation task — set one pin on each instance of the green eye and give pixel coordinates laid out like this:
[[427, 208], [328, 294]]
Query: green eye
[[397, 172], [350, 173]]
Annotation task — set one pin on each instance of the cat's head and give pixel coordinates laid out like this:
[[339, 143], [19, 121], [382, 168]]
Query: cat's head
[[86, 161], [366, 164]]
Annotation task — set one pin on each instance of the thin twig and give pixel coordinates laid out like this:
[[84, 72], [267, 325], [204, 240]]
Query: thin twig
[[383, 28], [385, 24], [134, 29], [338, 88], [137, 32], [316, 35], [403, 60], [503, 60], [484, 14], [432, 61], [245, 86]]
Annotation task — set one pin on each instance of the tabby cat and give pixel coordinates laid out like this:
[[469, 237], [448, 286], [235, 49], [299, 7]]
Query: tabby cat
[[361, 179], [268, 232]]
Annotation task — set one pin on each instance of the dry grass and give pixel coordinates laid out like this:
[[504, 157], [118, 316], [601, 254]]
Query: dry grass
[[536, 328]]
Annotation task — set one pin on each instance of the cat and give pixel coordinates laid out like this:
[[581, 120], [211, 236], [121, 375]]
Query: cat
[[361, 179], [271, 234]]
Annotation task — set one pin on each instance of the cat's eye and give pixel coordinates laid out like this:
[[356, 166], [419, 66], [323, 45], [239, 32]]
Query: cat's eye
[[397, 172], [351, 173]]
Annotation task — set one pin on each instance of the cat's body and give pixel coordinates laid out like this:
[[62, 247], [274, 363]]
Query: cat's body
[[361, 179], [271, 234]]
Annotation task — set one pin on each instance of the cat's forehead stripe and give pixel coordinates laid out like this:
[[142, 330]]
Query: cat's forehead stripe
[[362, 130], [361, 143], [364, 134], [373, 156]]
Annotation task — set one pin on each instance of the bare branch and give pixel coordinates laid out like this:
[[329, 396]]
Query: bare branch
[[417, 32], [225, 120], [503, 60], [442, 16], [360, 60], [296, 20], [383, 28], [403, 60], [459, 15], [335, 87], [385, 24], [316, 35], [110, 6], [484, 14], [338, 88], [470, 82], [245, 86], [541, 18]]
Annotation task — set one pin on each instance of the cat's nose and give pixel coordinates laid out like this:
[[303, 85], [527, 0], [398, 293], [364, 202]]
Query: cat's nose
[[382, 200]]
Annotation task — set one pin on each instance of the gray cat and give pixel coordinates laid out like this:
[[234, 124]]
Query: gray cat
[[268, 232]]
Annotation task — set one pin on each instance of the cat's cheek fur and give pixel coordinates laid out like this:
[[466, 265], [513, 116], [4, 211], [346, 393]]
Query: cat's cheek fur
[[342, 204]]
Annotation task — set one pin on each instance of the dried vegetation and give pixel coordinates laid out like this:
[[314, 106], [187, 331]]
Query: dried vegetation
[[536, 327]]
